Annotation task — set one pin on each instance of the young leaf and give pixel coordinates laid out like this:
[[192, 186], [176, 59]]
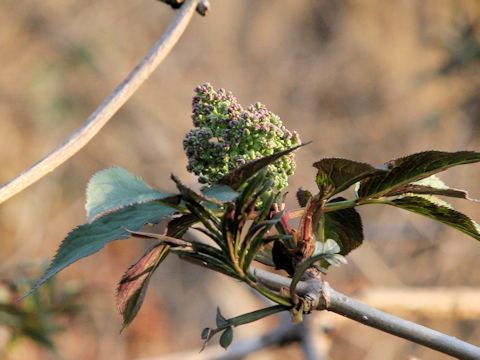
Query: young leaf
[[345, 227], [256, 315], [238, 176], [226, 338], [220, 320], [444, 214], [222, 193], [89, 238], [134, 283], [337, 175], [413, 168], [114, 188]]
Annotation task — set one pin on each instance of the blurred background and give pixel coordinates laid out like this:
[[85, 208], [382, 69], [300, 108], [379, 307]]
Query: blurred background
[[366, 80]]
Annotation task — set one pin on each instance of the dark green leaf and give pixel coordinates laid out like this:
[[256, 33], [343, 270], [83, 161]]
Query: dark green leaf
[[256, 315], [134, 283], [301, 268], [206, 334], [89, 238], [220, 319], [208, 260], [226, 338], [413, 168], [254, 246], [335, 175], [345, 227], [114, 188], [434, 209], [238, 176], [177, 227]]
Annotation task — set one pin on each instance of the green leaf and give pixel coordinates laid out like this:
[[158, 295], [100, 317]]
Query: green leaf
[[89, 238], [208, 333], [444, 214], [177, 227], [430, 186], [222, 193], [335, 175], [256, 315], [114, 188], [238, 176], [413, 168], [134, 283], [345, 227], [300, 270], [226, 338], [220, 320]]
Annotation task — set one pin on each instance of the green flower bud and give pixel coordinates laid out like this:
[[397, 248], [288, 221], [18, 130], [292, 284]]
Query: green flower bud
[[226, 136]]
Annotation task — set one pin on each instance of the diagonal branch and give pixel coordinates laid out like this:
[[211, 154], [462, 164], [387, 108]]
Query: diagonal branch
[[341, 304], [94, 123]]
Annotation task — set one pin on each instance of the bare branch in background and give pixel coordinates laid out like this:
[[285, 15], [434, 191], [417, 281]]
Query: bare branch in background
[[94, 123]]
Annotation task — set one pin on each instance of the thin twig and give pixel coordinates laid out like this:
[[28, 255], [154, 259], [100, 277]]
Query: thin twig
[[339, 303], [94, 123]]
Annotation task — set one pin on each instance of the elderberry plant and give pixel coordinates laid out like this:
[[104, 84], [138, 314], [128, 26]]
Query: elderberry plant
[[244, 158]]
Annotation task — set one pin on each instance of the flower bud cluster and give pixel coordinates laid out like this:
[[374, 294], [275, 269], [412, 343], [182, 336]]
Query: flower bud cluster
[[226, 136]]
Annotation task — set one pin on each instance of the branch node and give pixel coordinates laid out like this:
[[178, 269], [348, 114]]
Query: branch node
[[324, 298]]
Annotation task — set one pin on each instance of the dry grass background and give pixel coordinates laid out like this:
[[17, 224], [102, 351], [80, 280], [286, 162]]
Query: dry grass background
[[359, 78]]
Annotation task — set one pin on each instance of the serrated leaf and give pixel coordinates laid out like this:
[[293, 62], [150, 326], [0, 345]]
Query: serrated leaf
[[335, 175], [226, 338], [441, 213], [221, 193], [134, 283], [413, 168], [114, 188], [345, 227], [238, 176], [89, 238]]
